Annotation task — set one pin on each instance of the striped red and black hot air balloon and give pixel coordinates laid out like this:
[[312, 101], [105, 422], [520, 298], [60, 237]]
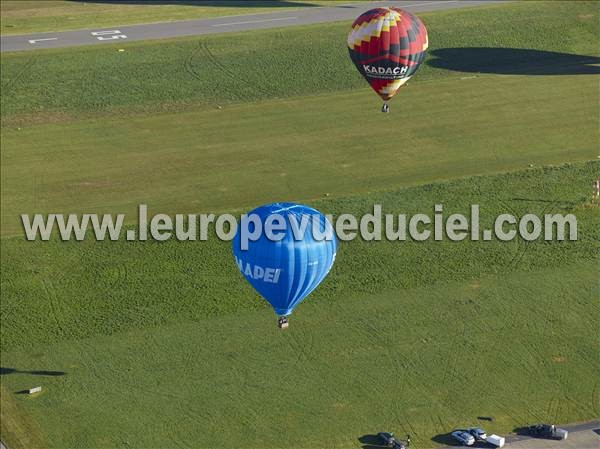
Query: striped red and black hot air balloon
[[387, 46]]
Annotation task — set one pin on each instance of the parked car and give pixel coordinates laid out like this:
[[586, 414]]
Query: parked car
[[390, 441], [463, 437], [548, 431], [386, 438], [478, 433]]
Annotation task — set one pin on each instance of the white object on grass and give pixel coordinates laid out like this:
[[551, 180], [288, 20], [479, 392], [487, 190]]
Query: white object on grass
[[496, 440]]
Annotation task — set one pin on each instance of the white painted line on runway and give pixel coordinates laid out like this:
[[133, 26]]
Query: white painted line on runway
[[428, 3], [252, 21], [35, 41]]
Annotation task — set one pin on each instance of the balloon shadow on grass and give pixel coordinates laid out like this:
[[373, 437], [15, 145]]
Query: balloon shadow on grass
[[4, 371], [513, 61]]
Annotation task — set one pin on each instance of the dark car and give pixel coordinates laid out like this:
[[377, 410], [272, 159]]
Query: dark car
[[390, 440], [387, 438], [399, 445], [547, 431]]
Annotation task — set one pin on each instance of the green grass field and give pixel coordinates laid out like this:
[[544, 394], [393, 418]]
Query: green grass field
[[163, 345], [33, 16], [151, 344]]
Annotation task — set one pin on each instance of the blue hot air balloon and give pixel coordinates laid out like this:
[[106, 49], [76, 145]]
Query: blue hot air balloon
[[285, 266]]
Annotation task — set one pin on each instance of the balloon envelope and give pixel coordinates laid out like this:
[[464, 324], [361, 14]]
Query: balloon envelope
[[387, 46], [284, 272]]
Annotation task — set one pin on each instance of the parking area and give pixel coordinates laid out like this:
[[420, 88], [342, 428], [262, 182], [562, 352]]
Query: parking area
[[584, 439], [581, 436]]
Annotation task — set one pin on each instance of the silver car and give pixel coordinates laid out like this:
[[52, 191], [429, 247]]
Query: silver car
[[463, 437], [478, 433]]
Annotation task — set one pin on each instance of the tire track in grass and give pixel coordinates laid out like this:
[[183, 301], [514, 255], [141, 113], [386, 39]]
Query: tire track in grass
[[451, 361], [117, 274], [530, 355], [303, 345], [239, 375], [234, 76], [189, 65], [396, 408], [37, 191], [57, 307], [558, 402], [204, 51], [404, 420], [515, 262], [54, 309], [508, 267], [84, 348], [371, 341], [11, 82], [189, 412], [527, 245], [399, 365], [210, 56], [439, 425], [595, 400], [125, 387], [525, 359], [178, 443], [300, 348]]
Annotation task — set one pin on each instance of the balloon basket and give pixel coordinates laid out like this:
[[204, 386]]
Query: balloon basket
[[385, 108], [282, 323]]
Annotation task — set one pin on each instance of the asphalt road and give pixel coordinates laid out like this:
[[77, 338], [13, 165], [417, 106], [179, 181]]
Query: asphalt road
[[229, 24]]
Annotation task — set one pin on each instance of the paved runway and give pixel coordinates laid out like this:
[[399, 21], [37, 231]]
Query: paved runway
[[303, 16]]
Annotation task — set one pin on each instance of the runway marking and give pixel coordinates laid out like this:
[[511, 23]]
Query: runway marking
[[110, 35], [35, 41], [252, 21], [429, 3]]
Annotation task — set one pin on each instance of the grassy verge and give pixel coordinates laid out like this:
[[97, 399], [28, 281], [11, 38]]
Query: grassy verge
[[401, 360], [26, 16], [16, 426]]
